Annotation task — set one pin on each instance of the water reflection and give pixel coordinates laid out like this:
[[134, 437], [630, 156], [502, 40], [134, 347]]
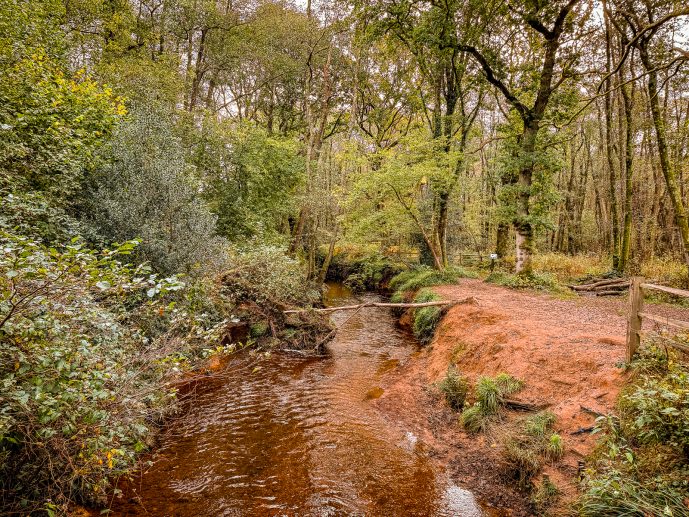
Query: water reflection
[[298, 437]]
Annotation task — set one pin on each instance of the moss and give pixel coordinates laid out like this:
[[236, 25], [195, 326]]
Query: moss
[[420, 277]]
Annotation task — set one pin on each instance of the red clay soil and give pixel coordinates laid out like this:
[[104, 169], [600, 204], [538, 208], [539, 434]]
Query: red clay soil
[[568, 352]]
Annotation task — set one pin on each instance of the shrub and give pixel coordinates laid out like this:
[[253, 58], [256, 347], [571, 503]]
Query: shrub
[[82, 367], [454, 386], [426, 319], [367, 273], [146, 190], [640, 464]]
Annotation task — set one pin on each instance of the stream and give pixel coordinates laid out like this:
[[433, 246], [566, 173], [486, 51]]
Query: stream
[[287, 435]]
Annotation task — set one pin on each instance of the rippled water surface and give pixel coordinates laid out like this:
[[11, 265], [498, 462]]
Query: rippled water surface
[[296, 436]]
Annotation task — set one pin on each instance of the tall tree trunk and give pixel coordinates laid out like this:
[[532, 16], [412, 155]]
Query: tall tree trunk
[[665, 164], [628, 172]]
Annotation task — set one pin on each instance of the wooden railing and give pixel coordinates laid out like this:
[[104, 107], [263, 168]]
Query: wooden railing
[[636, 313]]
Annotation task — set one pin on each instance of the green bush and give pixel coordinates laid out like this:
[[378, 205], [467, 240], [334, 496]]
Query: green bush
[[641, 463], [426, 319], [454, 386], [83, 366], [367, 273], [545, 495]]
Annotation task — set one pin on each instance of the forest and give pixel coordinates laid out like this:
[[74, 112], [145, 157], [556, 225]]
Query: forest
[[173, 171]]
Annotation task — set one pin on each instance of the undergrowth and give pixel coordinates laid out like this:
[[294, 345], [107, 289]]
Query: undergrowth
[[531, 443], [641, 464], [426, 319], [538, 281]]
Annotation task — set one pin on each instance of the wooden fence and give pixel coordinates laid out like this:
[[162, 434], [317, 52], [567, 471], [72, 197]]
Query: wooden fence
[[636, 313]]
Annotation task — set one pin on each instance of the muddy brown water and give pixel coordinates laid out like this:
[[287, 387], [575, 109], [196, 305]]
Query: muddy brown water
[[287, 435]]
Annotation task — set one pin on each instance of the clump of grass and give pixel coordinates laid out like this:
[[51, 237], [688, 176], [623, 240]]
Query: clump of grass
[[422, 276], [545, 495], [490, 395], [538, 281], [507, 384], [455, 387], [523, 462], [527, 446], [426, 319], [537, 426], [474, 419], [555, 448]]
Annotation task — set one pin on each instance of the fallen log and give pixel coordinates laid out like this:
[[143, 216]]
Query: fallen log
[[622, 282], [438, 303], [608, 293]]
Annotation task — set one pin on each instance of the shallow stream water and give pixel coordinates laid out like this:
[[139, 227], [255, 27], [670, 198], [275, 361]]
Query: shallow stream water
[[289, 435]]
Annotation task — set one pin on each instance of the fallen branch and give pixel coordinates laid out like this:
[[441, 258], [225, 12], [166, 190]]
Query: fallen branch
[[524, 406], [471, 299]]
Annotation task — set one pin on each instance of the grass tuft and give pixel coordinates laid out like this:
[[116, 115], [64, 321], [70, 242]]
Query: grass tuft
[[455, 387], [426, 319], [488, 395]]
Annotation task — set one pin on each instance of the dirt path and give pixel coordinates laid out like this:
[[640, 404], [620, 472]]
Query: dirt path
[[568, 352]]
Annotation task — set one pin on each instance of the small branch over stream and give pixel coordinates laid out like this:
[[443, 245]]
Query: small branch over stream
[[471, 299]]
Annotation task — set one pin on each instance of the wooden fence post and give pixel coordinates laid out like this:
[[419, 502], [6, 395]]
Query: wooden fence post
[[636, 302]]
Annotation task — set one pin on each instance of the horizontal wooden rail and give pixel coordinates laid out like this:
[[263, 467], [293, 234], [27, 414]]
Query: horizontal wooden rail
[[665, 289], [636, 313]]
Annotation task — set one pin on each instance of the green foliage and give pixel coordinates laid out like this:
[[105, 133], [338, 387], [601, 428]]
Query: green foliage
[[267, 273], [525, 447], [454, 387], [540, 281], [545, 495], [251, 177], [422, 276], [474, 419], [640, 464], [368, 272], [146, 190], [555, 449], [82, 365], [52, 123], [426, 319], [488, 395], [507, 385]]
